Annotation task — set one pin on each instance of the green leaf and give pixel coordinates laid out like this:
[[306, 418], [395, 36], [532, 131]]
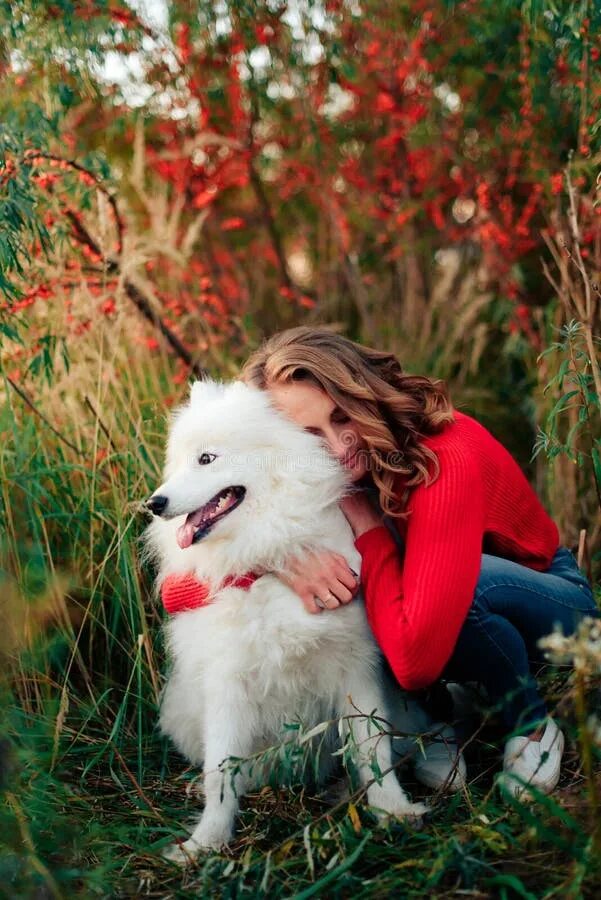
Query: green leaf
[[596, 457], [11, 333], [560, 406], [66, 95], [510, 881]]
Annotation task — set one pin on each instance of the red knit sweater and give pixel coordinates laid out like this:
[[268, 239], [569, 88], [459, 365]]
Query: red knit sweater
[[417, 601]]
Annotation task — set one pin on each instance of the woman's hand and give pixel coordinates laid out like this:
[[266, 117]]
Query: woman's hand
[[360, 513], [323, 574]]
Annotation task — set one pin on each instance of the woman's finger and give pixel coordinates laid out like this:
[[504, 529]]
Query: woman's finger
[[342, 592], [346, 575], [326, 596], [310, 604]]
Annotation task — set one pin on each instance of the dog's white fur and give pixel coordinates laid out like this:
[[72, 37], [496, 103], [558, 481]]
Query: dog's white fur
[[255, 659]]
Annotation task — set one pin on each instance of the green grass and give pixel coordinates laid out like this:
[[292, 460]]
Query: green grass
[[92, 793]]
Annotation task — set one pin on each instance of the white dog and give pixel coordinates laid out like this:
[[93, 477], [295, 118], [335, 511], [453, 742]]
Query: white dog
[[244, 489]]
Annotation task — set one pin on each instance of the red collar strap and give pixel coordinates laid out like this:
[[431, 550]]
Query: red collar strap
[[180, 593]]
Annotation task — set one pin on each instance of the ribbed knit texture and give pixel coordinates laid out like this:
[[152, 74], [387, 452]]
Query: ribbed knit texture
[[481, 502], [417, 601], [181, 593]]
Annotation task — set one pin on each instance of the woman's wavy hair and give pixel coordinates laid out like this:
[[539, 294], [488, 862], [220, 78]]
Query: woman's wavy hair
[[392, 409]]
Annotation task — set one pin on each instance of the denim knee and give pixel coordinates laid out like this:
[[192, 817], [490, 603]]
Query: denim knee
[[565, 565]]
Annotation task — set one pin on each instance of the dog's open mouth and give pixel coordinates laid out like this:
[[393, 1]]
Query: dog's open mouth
[[200, 522]]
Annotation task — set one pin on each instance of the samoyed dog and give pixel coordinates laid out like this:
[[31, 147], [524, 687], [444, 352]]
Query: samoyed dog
[[244, 489]]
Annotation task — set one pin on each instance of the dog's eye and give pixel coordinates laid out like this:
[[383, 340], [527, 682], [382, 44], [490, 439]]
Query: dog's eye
[[205, 458]]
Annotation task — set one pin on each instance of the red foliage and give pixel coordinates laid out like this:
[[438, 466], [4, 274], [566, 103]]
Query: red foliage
[[397, 155]]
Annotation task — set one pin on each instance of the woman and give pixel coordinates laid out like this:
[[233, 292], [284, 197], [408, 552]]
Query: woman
[[480, 574]]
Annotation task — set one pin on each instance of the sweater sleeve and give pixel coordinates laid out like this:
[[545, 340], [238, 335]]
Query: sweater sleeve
[[416, 609], [182, 592]]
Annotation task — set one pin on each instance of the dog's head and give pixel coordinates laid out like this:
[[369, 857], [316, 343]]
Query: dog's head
[[239, 471]]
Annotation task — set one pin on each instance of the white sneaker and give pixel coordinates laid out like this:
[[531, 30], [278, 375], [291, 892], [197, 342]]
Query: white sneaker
[[440, 764], [533, 762]]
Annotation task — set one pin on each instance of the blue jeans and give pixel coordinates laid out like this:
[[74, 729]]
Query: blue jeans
[[513, 607]]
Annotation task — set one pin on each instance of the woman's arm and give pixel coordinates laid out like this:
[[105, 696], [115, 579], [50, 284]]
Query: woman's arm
[[416, 608]]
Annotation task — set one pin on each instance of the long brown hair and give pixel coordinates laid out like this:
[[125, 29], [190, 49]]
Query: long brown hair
[[393, 410]]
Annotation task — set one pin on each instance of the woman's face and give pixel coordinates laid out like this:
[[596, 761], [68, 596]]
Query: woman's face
[[314, 410]]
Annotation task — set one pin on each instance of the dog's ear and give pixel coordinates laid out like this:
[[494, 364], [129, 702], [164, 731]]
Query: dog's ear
[[202, 392], [239, 387], [197, 389]]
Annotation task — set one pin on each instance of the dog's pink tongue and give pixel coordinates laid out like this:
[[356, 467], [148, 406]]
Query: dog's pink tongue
[[185, 533]]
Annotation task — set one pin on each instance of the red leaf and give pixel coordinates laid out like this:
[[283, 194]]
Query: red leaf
[[232, 224]]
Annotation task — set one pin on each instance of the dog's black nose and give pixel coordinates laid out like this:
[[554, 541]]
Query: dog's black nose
[[156, 504]]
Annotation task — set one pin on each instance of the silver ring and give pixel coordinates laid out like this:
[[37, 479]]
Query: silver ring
[[323, 604]]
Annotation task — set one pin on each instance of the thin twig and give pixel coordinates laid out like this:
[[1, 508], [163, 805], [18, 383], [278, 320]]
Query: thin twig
[[268, 216], [101, 424], [134, 781], [78, 167], [34, 408], [112, 265]]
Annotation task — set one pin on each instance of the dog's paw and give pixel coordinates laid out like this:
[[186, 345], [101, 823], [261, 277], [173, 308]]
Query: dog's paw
[[209, 836], [182, 854], [411, 813], [187, 852], [414, 814]]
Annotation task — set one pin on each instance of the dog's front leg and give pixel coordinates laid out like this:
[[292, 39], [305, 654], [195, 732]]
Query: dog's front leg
[[228, 732], [363, 695]]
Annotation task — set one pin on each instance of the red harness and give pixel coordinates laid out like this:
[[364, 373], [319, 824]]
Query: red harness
[[181, 593]]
